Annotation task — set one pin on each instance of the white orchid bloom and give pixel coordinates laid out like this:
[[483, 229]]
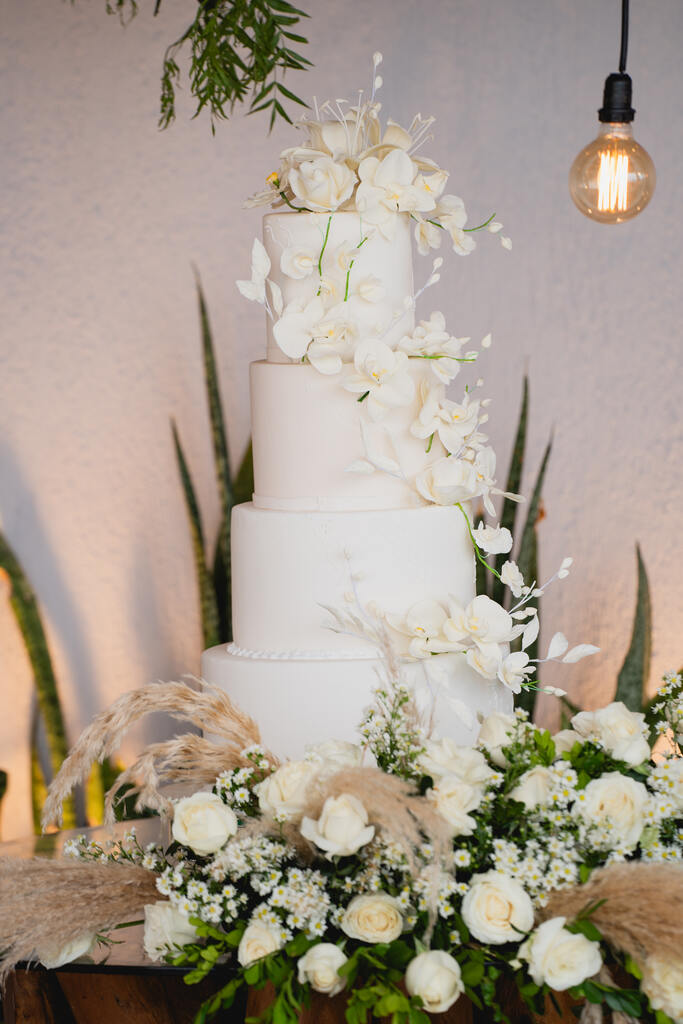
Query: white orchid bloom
[[298, 262], [452, 421], [370, 289], [255, 289], [483, 620], [296, 328], [485, 659], [335, 335], [452, 215], [381, 378], [495, 540], [431, 341], [447, 481], [514, 670], [422, 623], [512, 577], [386, 188], [428, 236]]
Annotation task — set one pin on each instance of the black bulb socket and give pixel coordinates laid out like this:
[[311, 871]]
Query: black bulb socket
[[616, 101]]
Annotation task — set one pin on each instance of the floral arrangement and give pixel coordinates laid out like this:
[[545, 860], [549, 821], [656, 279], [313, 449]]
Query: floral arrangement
[[551, 864]]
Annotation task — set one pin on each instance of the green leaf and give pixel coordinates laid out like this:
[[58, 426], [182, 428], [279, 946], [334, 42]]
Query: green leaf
[[514, 479], [290, 95], [207, 594], [635, 672]]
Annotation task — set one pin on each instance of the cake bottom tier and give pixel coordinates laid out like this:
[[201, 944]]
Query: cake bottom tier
[[298, 702]]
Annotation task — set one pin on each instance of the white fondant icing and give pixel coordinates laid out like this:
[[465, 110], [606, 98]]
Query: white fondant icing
[[307, 432], [388, 262], [286, 565], [297, 702]]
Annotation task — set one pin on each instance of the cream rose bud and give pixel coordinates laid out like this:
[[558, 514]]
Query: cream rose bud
[[620, 731], [259, 940], [333, 755], [203, 823], [341, 829], [496, 732], [558, 958], [454, 799], [616, 800], [374, 917], [165, 927], [564, 740], [445, 757], [284, 792], [322, 184], [435, 977], [663, 985], [319, 968], [496, 908], [52, 955], [534, 787]]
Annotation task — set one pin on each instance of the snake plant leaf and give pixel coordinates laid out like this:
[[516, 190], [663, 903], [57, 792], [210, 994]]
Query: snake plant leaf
[[527, 698], [38, 785], [635, 672], [243, 489], [483, 577], [514, 479], [220, 441], [25, 608], [207, 596]]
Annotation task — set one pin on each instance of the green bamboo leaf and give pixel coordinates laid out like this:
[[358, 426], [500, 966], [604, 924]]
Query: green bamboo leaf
[[207, 596], [218, 433], [635, 672], [25, 607], [509, 509]]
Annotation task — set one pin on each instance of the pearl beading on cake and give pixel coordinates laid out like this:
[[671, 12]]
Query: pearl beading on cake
[[366, 654]]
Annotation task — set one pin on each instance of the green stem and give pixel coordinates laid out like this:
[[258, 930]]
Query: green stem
[[429, 446], [363, 397], [299, 209], [322, 251], [444, 355], [474, 543], [479, 227], [348, 272]]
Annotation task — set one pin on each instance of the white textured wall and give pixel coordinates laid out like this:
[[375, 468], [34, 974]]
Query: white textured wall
[[102, 217]]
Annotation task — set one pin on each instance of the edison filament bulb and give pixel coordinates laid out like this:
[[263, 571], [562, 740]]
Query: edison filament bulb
[[613, 178]]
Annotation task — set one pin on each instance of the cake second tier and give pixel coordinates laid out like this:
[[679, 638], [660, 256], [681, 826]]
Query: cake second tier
[[289, 567]]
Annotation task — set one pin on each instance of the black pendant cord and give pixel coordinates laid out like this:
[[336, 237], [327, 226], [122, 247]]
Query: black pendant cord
[[624, 36]]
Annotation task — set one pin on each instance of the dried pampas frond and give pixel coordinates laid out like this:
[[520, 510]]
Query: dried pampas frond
[[47, 904], [641, 914], [187, 757]]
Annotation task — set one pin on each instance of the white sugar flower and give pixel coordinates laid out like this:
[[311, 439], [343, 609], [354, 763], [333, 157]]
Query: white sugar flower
[[296, 328], [454, 799], [387, 187], [422, 623], [495, 540], [427, 235], [496, 909], [485, 659], [452, 215], [297, 262], [558, 958], [483, 620], [322, 184], [431, 341], [620, 731], [448, 481], [332, 344], [452, 421], [435, 977], [319, 966], [514, 670], [342, 827], [382, 375], [255, 289], [512, 578]]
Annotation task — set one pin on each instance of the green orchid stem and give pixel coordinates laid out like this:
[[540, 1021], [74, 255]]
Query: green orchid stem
[[363, 397], [322, 251], [348, 272], [475, 545], [443, 355], [299, 209], [480, 227], [429, 446]]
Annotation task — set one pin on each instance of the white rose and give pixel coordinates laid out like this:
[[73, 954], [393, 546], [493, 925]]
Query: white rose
[[165, 927], [53, 956], [284, 792], [453, 799], [435, 977], [445, 757], [448, 481], [203, 822], [341, 829], [496, 732], [534, 787], [319, 968], [564, 740], [333, 755], [374, 917], [558, 958], [259, 940], [322, 184], [496, 908], [620, 731], [616, 800], [663, 985], [297, 262]]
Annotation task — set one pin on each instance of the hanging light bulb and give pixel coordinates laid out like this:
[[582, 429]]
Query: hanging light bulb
[[613, 178]]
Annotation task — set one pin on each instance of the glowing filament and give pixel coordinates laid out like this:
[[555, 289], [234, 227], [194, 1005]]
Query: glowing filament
[[613, 181]]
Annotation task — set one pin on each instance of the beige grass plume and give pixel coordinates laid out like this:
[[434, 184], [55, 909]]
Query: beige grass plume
[[188, 758], [641, 914], [45, 904]]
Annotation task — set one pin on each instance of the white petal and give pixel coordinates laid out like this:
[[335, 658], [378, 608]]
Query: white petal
[[558, 645], [251, 290], [260, 261], [276, 295], [360, 466], [530, 633], [579, 652]]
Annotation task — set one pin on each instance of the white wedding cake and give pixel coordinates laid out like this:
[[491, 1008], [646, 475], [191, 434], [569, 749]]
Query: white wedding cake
[[367, 476]]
